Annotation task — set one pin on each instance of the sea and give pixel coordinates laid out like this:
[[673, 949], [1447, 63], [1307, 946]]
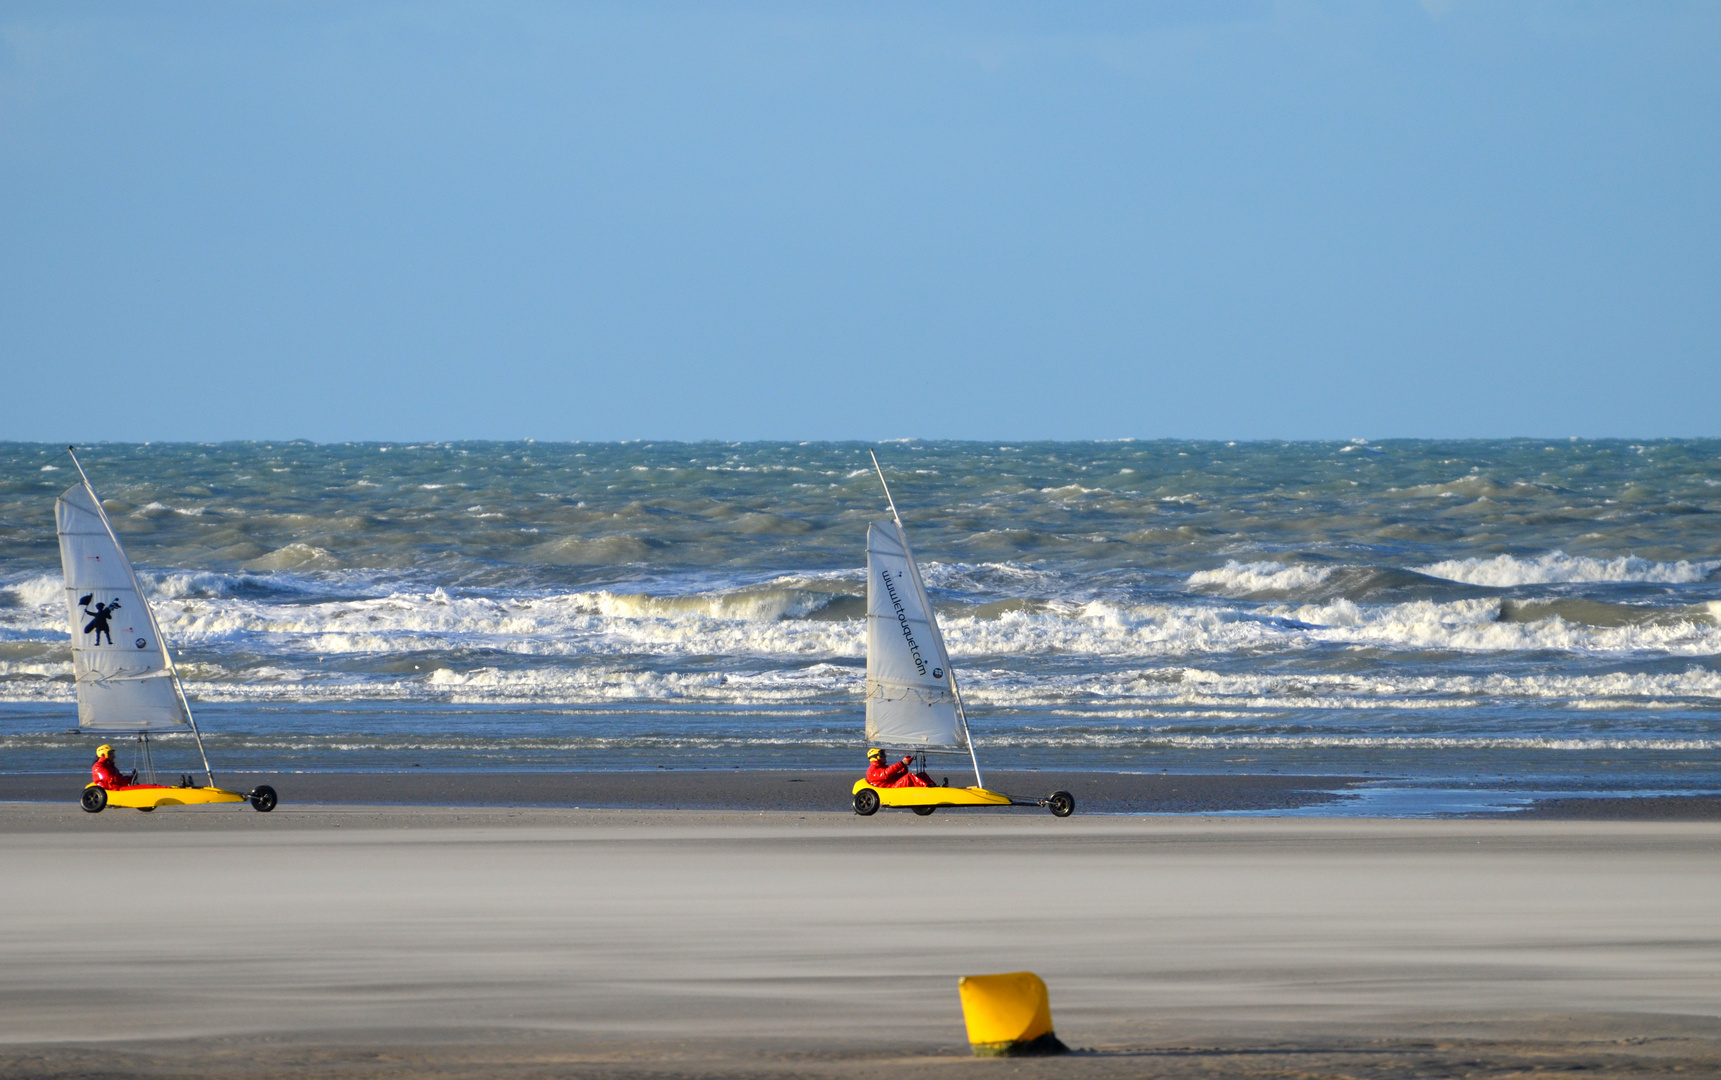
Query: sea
[[1467, 625]]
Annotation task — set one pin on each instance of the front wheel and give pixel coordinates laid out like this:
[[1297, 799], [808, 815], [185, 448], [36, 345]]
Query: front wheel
[[262, 798], [866, 802], [1061, 804], [95, 800], [923, 811]]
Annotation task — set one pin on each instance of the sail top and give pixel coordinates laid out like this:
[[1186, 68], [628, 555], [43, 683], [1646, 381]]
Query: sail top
[[124, 678], [911, 700]]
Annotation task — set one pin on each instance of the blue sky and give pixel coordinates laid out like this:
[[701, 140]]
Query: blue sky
[[596, 221]]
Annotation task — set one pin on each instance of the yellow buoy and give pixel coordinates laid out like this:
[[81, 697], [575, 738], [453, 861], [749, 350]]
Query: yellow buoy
[[1008, 1015]]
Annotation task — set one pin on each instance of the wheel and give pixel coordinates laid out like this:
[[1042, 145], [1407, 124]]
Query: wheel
[[263, 798], [923, 811], [866, 802], [1061, 804], [95, 800]]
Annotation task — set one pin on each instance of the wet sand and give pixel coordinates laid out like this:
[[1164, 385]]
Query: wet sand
[[394, 941], [817, 790], [737, 789]]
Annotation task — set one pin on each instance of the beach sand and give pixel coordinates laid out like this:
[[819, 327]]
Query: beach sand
[[394, 941]]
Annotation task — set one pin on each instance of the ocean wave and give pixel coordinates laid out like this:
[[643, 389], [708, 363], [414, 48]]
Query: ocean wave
[[1146, 742], [297, 556], [36, 591], [45, 591], [1010, 578], [1192, 687], [1556, 567], [801, 739], [1165, 691], [1241, 580], [1577, 609], [764, 604], [778, 621]]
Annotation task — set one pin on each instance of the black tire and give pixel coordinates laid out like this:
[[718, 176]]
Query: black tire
[[866, 802], [1061, 804], [262, 798], [95, 800], [923, 811]]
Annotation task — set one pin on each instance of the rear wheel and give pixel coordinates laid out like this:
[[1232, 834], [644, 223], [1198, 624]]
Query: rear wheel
[[95, 800], [866, 802], [1061, 804], [923, 811], [262, 798]]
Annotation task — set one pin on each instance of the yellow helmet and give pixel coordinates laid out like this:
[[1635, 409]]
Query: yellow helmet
[[104, 750], [875, 754]]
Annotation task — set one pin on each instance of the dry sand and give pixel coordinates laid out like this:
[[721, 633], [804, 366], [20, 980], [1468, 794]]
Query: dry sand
[[419, 941]]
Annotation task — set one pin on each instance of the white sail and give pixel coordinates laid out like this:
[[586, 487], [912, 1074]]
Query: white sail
[[910, 698], [124, 679]]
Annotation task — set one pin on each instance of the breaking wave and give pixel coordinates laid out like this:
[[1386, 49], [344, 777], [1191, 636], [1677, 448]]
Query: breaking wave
[[1556, 567], [1241, 580]]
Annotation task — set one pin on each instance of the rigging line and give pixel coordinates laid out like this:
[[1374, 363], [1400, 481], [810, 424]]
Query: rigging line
[[149, 612]]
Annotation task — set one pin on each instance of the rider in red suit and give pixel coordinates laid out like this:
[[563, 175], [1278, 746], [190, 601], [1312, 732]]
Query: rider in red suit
[[106, 773], [898, 774]]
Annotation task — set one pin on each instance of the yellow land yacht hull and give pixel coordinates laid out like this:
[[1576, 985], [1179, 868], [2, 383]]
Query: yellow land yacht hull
[[924, 800], [96, 799]]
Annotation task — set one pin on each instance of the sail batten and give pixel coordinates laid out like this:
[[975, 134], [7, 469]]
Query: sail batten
[[911, 701], [119, 664]]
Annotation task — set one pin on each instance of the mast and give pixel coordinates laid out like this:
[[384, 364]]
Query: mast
[[149, 612], [882, 482], [961, 713]]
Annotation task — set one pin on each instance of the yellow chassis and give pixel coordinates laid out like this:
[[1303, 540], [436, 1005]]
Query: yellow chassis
[[150, 798], [924, 800], [936, 796]]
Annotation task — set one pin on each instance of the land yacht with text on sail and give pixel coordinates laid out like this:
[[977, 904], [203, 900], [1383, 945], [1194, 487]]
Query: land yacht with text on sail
[[912, 701], [126, 678]]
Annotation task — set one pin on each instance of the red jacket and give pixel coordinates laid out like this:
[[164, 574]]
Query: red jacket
[[107, 775], [896, 774]]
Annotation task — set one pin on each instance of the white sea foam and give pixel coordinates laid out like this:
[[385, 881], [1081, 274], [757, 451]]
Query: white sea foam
[[1556, 567], [38, 592], [1253, 579], [1169, 693], [770, 621]]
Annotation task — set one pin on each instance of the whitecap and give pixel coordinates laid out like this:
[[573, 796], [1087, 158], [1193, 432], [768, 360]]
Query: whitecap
[[1556, 567], [1252, 579]]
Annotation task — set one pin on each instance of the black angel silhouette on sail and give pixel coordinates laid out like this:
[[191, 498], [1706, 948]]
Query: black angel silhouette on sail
[[99, 617]]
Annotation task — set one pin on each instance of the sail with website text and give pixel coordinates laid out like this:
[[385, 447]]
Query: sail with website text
[[912, 701]]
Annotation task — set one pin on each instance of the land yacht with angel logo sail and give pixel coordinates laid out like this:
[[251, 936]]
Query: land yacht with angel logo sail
[[912, 701], [124, 671]]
